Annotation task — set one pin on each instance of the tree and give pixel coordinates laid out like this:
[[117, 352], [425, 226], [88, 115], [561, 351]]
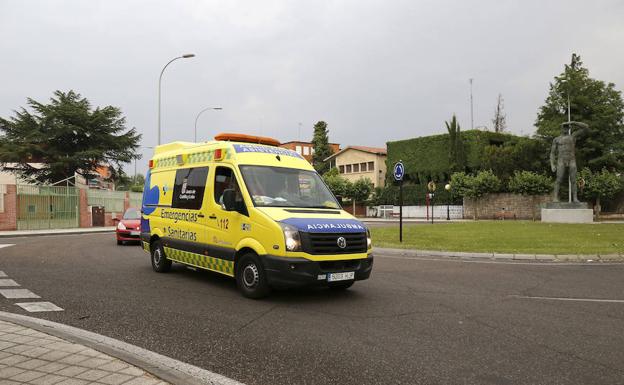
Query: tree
[[599, 185], [531, 184], [338, 185], [593, 102], [67, 136], [499, 120], [359, 191], [322, 149], [457, 159]]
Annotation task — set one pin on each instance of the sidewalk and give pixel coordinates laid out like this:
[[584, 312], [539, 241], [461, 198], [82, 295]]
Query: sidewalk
[[414, 253], [41, 352], [27, 233], [28, 356]]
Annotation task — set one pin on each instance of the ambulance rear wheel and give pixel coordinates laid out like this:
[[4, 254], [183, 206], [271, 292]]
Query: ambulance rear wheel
[[160, 263], [251, 278]]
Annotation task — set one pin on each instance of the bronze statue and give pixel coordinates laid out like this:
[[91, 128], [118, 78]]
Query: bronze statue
[[562, 151]]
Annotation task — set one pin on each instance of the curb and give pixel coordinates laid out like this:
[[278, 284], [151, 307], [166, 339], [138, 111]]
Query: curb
[[501, 256], [167, 369], [37, 233]]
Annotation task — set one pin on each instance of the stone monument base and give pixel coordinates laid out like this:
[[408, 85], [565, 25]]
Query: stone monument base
[[567, 212]]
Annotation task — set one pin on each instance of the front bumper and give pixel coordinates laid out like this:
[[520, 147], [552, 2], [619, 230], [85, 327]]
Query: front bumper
[[294, 272], [125, 235]]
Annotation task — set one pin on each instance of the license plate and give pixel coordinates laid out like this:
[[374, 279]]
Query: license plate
[[135, 233], [333, 277]]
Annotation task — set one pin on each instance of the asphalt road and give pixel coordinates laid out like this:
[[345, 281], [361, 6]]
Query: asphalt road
[[416, 321]]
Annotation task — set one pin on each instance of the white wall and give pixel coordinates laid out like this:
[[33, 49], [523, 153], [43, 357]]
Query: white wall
[[439, 211]]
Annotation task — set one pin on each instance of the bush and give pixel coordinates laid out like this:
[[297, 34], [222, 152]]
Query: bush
[[530, 183]]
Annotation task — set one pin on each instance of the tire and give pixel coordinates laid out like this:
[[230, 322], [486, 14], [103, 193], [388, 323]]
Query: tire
[[251, 278], [160, 263], [119, 243], [341, 285]]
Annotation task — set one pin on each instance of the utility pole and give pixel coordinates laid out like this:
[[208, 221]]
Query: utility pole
[[471, 108]]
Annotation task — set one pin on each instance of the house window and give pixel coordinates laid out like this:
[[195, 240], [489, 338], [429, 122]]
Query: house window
[[371, 166], [341, 169], [306, 150], [298, 149], [348, 168], [363, 167], [356, 167]]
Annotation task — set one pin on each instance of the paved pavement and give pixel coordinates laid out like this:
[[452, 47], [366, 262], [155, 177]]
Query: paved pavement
[[30, 233], [28, 356], [418, 320]]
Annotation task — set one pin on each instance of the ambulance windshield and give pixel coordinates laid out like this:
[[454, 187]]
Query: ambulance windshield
[[287, 187]]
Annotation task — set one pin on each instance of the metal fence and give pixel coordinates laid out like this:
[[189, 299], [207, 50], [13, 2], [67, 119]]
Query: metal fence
[[112, 201], [47, 207], [136, 199]]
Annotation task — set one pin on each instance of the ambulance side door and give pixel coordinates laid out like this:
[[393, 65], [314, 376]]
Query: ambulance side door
[[224, 227]]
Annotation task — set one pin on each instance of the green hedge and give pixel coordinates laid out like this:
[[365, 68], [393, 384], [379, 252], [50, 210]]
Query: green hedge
[[427, 158]]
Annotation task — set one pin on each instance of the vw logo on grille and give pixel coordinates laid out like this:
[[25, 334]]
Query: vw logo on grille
[[342, 242]]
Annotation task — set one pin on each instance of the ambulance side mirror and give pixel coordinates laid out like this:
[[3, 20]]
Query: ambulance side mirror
[[229, 199]]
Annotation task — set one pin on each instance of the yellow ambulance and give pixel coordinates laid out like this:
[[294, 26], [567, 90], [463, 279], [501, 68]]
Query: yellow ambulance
[[244, 207]]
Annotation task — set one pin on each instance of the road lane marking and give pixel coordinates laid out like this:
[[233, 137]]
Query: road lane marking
[[18, 293], [6, 245], [34, 307], [569, 299], [3, 274], [507, 262], [8, 282]]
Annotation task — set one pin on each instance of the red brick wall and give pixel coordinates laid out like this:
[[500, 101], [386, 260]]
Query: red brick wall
[[84, 212], [8, 218]]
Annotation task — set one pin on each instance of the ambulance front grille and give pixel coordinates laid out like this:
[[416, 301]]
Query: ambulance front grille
[[327, 243]]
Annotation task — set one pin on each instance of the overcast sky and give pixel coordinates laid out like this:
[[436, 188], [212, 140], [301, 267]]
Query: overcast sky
[[375, 71]]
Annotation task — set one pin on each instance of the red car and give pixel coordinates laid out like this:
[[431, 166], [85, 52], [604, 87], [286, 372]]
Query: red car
[[129, 227]]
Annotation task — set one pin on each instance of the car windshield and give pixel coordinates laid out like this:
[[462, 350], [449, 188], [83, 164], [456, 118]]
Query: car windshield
[[132, 214], [287, 187]]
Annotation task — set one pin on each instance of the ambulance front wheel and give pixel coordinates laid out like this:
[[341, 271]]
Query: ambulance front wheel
[[160, 263], [251, 278]]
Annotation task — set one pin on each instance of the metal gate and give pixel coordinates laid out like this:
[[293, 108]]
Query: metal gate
[[47, 207]]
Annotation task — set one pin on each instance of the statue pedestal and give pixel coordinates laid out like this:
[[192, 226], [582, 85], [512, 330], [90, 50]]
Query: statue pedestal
[[567, 212]]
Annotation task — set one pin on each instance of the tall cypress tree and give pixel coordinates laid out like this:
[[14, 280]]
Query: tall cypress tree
[[322, 149], [457, 160]]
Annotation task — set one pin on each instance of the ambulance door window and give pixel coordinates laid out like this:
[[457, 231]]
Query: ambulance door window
[[189, 187], [226, 179]]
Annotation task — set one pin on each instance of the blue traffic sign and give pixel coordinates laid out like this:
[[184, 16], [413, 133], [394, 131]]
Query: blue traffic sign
[[399, 171]]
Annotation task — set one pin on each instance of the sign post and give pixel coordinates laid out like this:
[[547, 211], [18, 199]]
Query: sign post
[[399, 172], [431, 186]]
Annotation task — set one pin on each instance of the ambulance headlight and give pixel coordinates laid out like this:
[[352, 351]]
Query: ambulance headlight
[[369, 241], [121, 226], [291, 237]]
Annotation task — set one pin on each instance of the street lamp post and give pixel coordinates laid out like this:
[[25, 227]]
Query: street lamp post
[[185, 56], [448, 203], [201, 112]]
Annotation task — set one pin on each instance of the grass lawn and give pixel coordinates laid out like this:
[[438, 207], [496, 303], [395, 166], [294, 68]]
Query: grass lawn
[[506, 237]]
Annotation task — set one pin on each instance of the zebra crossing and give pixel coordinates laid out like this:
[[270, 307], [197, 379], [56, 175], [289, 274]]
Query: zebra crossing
[[8, 289]]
